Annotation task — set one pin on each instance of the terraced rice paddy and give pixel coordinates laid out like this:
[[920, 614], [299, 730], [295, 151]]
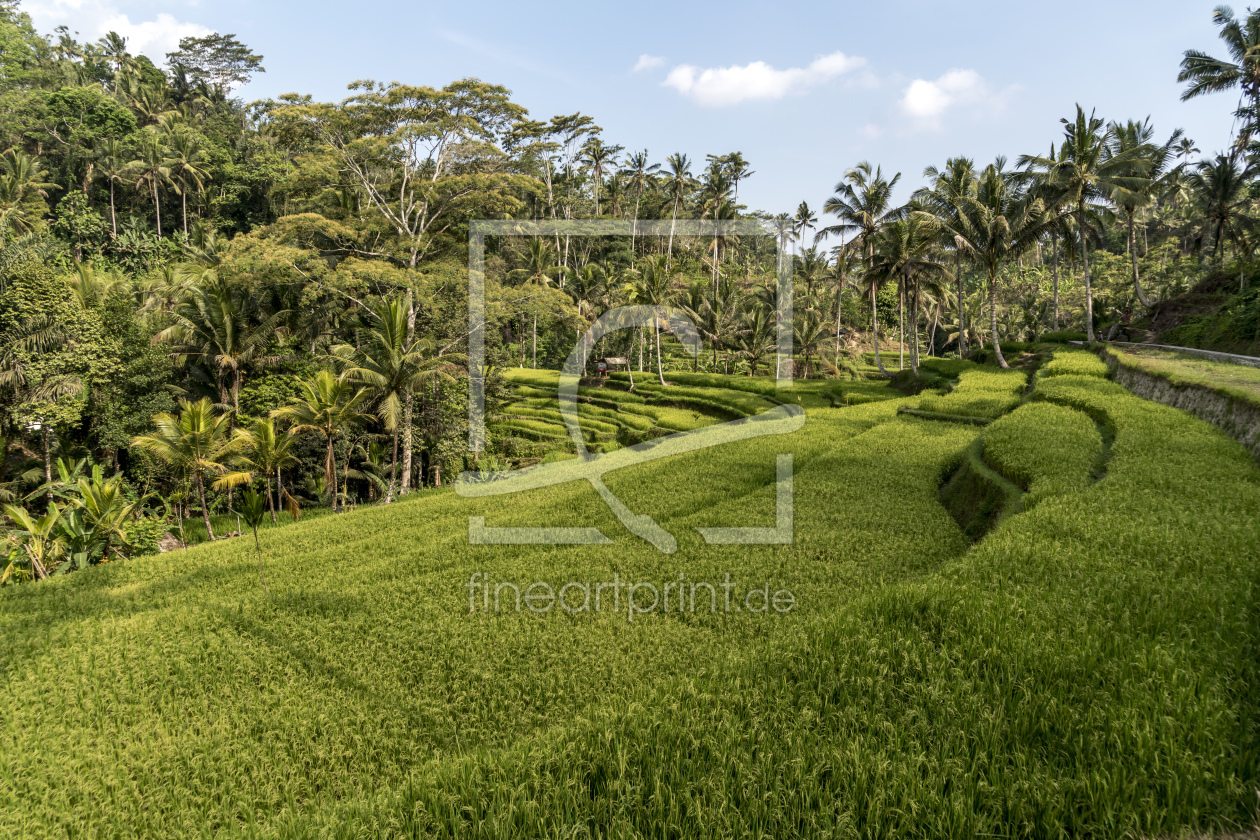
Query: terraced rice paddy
[[1088, 668]]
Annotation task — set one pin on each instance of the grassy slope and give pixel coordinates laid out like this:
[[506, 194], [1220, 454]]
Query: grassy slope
[[1088, 668], [1230, 379]]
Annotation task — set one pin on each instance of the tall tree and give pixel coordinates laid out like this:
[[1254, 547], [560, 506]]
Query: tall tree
[[997, 224], [195, 443], [328, 405], [1149, 170], [389, 366], [1085, 176], [862, 202], [1206, 74]]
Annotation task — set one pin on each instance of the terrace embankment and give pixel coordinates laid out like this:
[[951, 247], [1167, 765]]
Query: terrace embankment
[[1233, 414]]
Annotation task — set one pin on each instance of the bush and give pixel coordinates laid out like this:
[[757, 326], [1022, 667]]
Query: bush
[[1062, 337]]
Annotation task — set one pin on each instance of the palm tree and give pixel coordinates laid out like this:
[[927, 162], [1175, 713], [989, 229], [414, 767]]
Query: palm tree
[[1085, 176], [263, 450], [599, 157], [756, 337], [997, 224], [905, 252], [1211, 75], [328, 405], [389, 366], [809, 331], [946, 188], [863, 204], [111, 163], [22, 190], [640, 172], [1219, 188], [152, 169], [195, 443], [538, 269], [812, 268], [805, 220], [680, 184], [653, 287], [215, 323], [186, 161], [1149, 172]]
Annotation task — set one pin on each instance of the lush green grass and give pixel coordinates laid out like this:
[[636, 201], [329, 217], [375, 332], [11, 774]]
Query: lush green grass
[[1088, 669], [1046, 449], [1074, 363], [1232, 380], [983, 393]]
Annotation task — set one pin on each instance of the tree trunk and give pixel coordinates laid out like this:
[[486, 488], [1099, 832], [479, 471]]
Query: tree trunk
[[997, 350], [409, 402], [1137, 283], [669, 261], [901, 327], [183, 197], [271, 504], [1054, 238], [157, 209], [535, 342], [113, 219], [393, 470], [962, 335], [875, 330], [48, 463], [205, 510], [330, 473], [1089, 291], [656, 331]]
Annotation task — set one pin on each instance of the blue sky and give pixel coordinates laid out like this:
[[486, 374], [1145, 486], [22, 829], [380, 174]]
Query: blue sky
[[803, 90]]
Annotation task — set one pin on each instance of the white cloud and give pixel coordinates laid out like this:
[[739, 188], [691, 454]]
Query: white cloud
[[93, 18], [154, 38], [647, 62], [716, 87], [926, 101]]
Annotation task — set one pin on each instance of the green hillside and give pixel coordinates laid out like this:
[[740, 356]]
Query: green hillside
[[1088, 668]]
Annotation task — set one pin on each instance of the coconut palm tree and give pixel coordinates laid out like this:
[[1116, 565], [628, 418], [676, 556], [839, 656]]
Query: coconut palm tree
[[263, 451], [809, 332], [186, 160], [757, 336], [111, 164], [219, 325], [804, 221], [906, 253], [1085, 176], [679, 183], [1150, 173], [328, 405], [812, 268], [862, 202], [640, 172], [653, 286], [599, 157], [195, 442], [946, 188], [997, 224], [151, 170], [1219, 190], [390, 366], [1206, 74], [22, 193]]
